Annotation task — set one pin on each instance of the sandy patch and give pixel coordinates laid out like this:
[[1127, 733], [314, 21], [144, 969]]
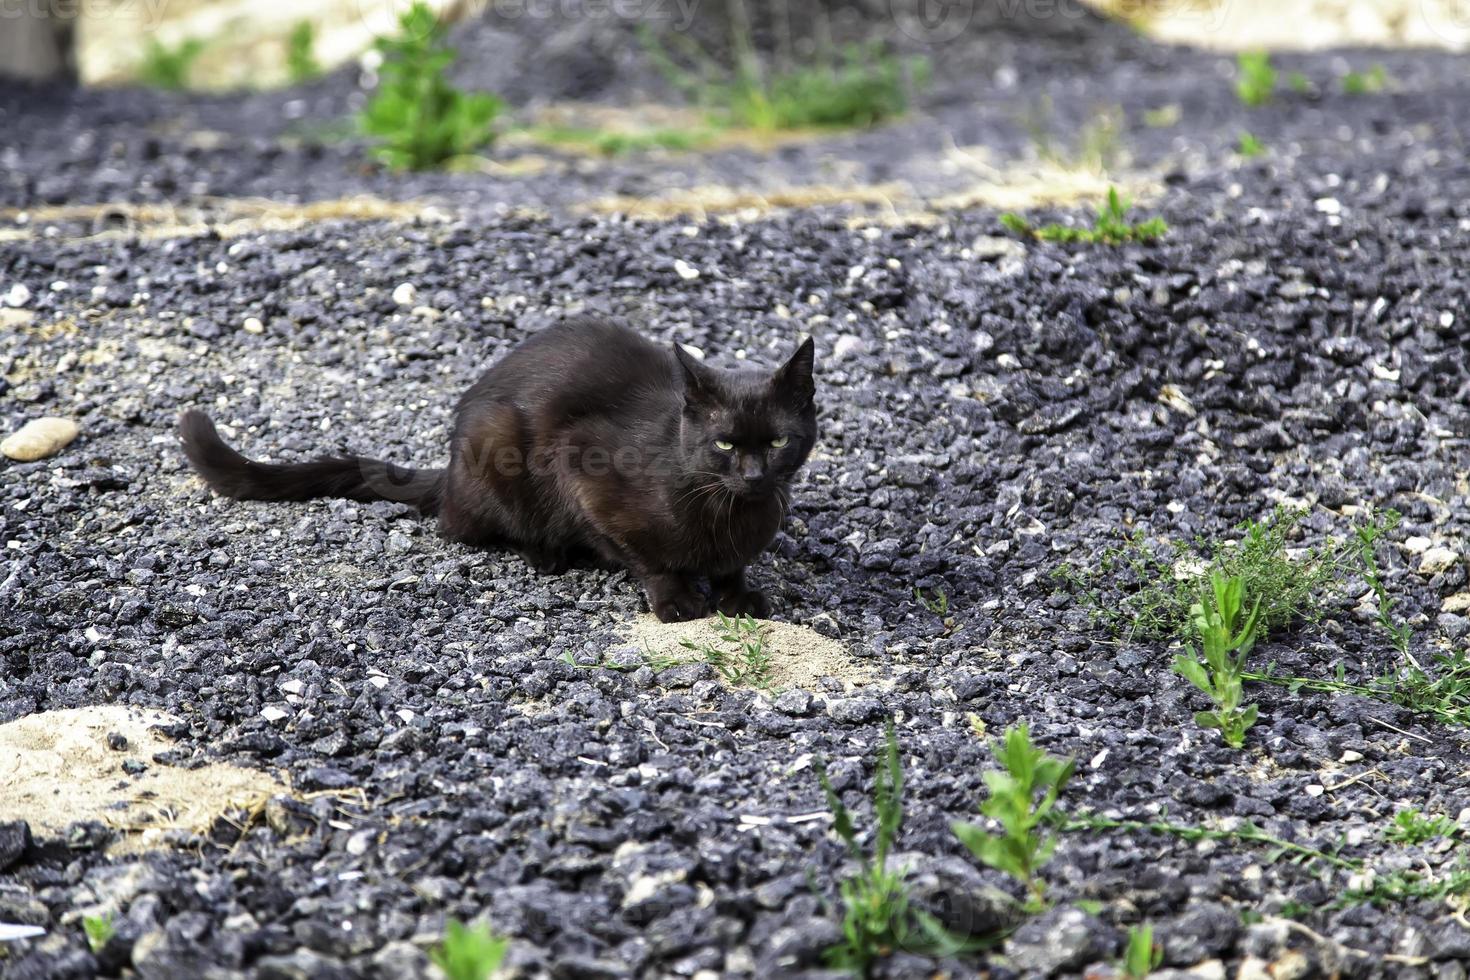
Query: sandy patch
[[56, 769], [1313, 24], [711, 200], [800, 656], [228, 217]]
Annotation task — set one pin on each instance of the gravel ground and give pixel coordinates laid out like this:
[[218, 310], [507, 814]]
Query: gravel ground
[[990, 409]]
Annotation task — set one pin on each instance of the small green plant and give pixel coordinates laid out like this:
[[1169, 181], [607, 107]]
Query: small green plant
[[99, 929], [1247, 832], [1299, 83], [417, 117], [1415, 827], [1367, 536], [937, 605], [1443, 692], [1227, 632], [862, 87], [1142, 955], [876, 915], [741, 657], [1111, 226], [1403, 885], [616, 143], [1255, 81], [1160, 585], [301, 63], [1097, 147], [469, 952], [1021, 797], [169, 67], [1370, 82], [1249, 146]]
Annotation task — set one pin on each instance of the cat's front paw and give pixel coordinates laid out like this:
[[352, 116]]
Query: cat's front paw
[[745, 602], [676, 602]]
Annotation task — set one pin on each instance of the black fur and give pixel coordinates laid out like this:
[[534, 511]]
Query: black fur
[[587, 441]]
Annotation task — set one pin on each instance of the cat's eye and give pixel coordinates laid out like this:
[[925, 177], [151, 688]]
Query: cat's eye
[[724, 446], [779, 442]]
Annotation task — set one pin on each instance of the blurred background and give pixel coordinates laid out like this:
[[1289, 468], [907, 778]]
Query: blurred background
[[242, 44]]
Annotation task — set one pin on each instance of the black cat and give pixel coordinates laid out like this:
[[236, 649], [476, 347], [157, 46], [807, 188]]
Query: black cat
[[589, 442]]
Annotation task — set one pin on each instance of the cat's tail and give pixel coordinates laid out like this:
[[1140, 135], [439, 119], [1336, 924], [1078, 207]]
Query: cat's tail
[[352, 477]]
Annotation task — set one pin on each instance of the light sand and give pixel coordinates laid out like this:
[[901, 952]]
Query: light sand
[[56, 769], [800, 656]]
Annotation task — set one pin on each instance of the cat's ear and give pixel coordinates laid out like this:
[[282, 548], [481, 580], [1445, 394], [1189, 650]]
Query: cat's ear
[[794, 378], [699, 387]]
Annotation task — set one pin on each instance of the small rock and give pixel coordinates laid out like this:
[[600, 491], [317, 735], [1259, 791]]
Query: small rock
[[15, 837], [405, 294], [117, 741], [685, 270], [301, 965], [253, 325], [854, 711], [996, 247], [847, 346], [1436, 560], [1061, 940], [795, 702], [17, 295], [39, 438], [1457, 603]]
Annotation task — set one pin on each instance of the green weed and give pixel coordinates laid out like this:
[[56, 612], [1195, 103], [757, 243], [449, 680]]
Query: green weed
[[1255, 81], [861, 87], [1227, 632], [1098, 145], [1111, 226], [469, 952], [1249, 146], [1403, 885], [1299, 83], [417, 117], [1412, 826], [1442, 692], [1021, 797], [1160, 585], [99, 930], [1370, 82], [741, 657], [169, 67], [1280, 849], [876, 915], [615, 143], [1142, 955], [1367, 536], [301, 63]]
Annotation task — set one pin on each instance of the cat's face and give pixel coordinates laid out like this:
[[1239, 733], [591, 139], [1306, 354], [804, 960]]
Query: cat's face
[[747, 431]]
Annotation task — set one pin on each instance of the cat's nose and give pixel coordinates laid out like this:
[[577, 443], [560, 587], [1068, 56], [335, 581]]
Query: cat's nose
[[752, 471]]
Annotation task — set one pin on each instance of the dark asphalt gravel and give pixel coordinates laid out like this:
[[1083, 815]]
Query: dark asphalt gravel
[[989, 412]]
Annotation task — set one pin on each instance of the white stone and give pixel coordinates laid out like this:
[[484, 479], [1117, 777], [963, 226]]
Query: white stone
[[1329, 205], [1457, 603], [18, 295], [846, 346], [405, 293], [39, 438], [685, 270], [271, 713], [292, 686], [1437, 560], [1417, 545], [253, 325]]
